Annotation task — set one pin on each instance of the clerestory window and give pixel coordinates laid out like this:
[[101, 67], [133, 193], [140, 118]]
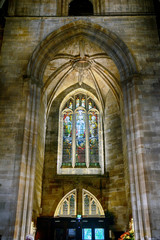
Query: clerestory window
[[81, 148]]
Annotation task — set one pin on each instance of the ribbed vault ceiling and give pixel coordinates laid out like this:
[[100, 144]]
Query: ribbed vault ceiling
[[81, 62]]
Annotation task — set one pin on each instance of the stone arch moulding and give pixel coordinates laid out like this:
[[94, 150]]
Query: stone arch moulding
[[104, 38], [117, 50]]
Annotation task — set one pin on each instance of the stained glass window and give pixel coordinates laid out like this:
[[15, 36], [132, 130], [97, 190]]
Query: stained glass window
[[65, 208], [70, 104], [81, 126], [80, 136], [67, 205], [93, 139], [89, 104], [72, 205], [77, 102], [67, 138], [83, 102], [86, 205], [93, 208]]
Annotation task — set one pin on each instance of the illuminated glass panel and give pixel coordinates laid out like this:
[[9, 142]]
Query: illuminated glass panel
[[99, 233], [93, 139], [83, 102], [72, 205], [67, 138], [80, 137], [80, 147], [65, 208], [90, 104], [86, 205], [93, 208], [77, 102], [86, 234], [70, 104]]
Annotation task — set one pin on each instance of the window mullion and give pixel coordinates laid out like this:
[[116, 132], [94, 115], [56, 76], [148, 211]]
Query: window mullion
[[90, 206], [87, 140], [69, 199], [74, 141]]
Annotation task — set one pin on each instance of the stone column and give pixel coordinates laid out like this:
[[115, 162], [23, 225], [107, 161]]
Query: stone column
[[27, 167], [136, 157]]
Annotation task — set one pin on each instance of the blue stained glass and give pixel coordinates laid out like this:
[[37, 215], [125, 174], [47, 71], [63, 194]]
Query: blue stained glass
[[86, 234], [80, 136], [99, 233]]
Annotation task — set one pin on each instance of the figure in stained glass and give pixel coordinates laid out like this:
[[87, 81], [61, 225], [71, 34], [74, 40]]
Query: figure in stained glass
[[90, 104], [67, 137], [93, 137], [70, 104], [83, 102], [77, 102], [80, 136], [80, 132]]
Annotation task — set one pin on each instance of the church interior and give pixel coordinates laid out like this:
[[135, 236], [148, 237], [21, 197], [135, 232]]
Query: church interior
[[79, 119]]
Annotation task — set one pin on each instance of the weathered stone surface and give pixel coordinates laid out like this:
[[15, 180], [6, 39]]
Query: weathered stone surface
[[131, 120]]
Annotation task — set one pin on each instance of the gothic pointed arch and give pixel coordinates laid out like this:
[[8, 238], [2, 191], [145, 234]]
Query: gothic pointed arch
[[67, 205], [90, 204], [80, 140], [104, 38]]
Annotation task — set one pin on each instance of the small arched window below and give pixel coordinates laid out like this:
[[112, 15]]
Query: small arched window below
[[67, 207], [80, 8]]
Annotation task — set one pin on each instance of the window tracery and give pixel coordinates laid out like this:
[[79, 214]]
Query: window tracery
[[80, 141], [68, 205], [91, 205]]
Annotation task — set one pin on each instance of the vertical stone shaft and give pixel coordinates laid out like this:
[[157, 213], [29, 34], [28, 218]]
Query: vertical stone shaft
[[136, 160], [27, 169]]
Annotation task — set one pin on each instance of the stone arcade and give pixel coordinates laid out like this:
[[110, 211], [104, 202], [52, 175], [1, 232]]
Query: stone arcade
[[79, 118]]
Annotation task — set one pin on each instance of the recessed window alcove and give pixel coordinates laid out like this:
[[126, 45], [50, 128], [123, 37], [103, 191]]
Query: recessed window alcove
[[80, 145]]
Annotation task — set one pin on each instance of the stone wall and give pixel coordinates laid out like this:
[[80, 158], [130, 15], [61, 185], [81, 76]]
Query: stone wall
[[108, 189], [52, 8], [21, 36]]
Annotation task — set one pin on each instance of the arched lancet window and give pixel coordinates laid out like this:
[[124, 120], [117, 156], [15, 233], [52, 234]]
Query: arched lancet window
[[90, 205], [80, 136], [80, 8], [68, 205]]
